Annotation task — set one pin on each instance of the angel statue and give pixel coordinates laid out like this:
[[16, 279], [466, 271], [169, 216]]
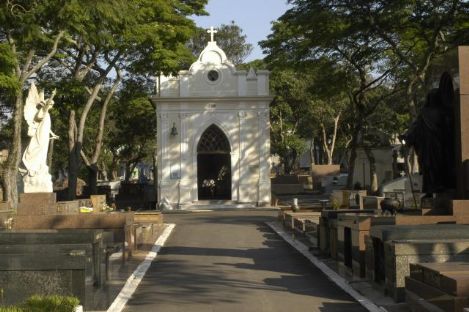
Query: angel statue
[[36, 176]]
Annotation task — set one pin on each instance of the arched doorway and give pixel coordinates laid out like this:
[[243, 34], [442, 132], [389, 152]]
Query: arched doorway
[[214, 165]]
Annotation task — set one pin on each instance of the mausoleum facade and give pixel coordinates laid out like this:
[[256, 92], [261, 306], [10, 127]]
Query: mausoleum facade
[[213, 133]]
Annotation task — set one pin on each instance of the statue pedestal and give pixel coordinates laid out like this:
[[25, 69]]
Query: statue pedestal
[[37, 204], [38, 184]]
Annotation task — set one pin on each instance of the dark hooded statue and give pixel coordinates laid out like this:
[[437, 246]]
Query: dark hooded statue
[[432, 137]]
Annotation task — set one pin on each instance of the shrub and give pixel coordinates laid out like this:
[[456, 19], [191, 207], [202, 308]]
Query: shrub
[[45, 304], [11, 309], [51, 304]]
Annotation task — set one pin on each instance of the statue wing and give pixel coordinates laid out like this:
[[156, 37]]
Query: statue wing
[[32, 100]]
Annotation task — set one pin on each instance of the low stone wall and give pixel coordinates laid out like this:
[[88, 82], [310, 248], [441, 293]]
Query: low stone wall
[[285, 189]]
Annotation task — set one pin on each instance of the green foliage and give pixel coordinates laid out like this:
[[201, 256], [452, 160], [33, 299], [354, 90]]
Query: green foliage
[[287, 110], [8, 82], [375, 57], [11, 309], [52, 303], [229, 38], [136, 38], [132, 131]]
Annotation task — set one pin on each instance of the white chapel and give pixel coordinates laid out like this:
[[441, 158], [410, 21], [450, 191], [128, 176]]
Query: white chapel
[[213, 133]]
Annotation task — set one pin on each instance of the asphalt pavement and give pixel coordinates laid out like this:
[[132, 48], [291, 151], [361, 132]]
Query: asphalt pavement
[[232, 261]]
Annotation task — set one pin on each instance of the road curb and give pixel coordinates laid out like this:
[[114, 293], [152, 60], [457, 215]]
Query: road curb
[[136, 277]]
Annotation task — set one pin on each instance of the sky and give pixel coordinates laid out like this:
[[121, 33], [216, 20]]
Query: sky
[[253, 16]]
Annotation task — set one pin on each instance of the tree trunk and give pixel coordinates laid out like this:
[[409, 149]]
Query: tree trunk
[[104, 171], [128, 173], [329, 146], [73, 158], [14, 155], [353, 157], [373, 175], [73, 166], [113, 168], [92, 179], [92, 164], [311, 153]]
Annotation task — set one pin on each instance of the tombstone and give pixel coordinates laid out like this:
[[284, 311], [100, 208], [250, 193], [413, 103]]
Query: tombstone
[[351, 231], [412, 238], [51, 262], [328, 240], [390, 249], [440, 285]]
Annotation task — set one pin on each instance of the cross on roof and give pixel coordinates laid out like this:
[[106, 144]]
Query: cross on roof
[[212, 31]]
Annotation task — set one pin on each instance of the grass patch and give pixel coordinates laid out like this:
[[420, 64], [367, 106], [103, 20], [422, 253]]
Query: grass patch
[[45, 304]]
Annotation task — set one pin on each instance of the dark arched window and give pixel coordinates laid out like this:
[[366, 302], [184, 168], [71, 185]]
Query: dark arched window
[[213, 140]]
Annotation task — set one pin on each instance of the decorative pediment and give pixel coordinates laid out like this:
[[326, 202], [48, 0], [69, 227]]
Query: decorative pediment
[[213, 75]]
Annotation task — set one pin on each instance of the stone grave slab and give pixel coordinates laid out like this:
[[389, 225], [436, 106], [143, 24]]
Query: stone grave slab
[[284, 210], [434, 299], [420, 231], [328, 229], [460, 210], [290, 216], [118, 223], [306, 224], [372, 202], [348, 199], [399, 254], [351, 232], [451, 277], [375, 270], [51, 262], [374, 244], [146, 227], [68, 207]]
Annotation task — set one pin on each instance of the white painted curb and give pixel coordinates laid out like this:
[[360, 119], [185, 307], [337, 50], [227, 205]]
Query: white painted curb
[[333, 276], [134, 280]]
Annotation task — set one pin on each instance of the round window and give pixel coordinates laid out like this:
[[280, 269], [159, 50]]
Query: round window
[[213, 75]]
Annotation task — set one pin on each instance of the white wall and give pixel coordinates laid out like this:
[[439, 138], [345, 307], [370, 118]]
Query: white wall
[[238, 103]]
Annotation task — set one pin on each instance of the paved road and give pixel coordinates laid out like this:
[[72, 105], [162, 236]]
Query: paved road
[[231, 261]]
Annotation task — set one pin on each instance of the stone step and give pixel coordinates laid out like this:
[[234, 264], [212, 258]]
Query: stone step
[[451, 277], [435, 296]]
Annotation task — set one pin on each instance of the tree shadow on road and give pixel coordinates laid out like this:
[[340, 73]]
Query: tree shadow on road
[[236, 273]]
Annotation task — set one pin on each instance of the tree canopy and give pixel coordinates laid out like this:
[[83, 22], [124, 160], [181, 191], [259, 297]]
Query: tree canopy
[[385, 52], [86, 48]]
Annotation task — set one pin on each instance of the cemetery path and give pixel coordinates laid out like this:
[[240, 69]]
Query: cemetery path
[[232, 261]]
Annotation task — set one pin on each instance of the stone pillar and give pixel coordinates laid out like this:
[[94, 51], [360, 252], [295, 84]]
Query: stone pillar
[[241, 158], [185, 185], [264, 158], [462, 126], [163, 164]]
